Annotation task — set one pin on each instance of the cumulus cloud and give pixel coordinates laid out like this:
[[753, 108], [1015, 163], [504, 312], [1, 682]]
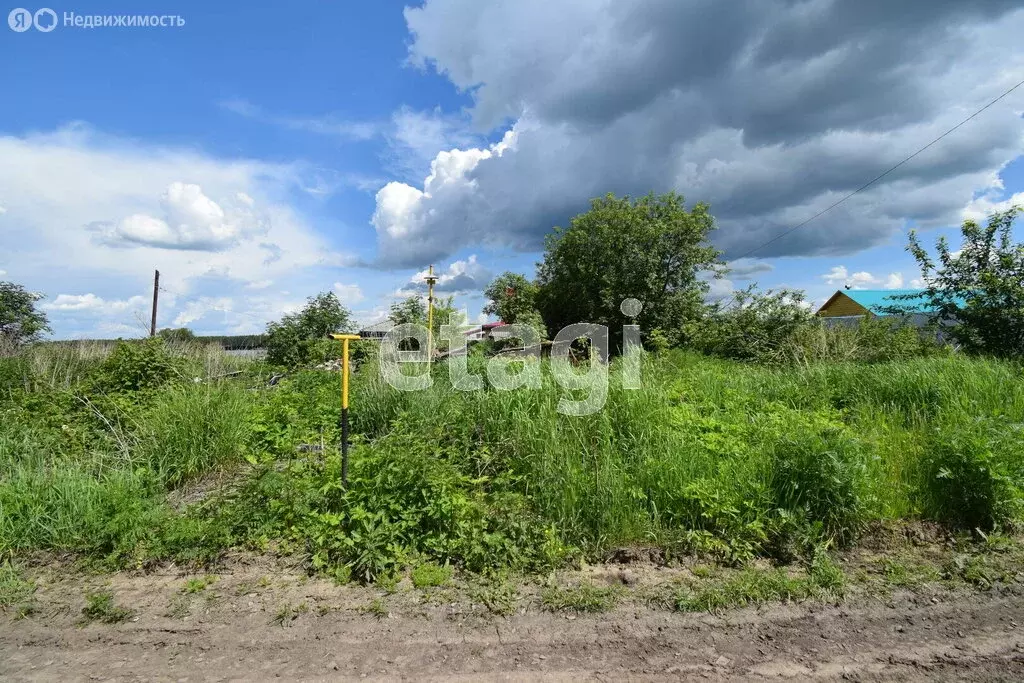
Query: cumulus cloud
[[980, 208], [348, 294], [839, 276], [94, 208], [461, 277], [92, 303], [191, 220], [771, 110]]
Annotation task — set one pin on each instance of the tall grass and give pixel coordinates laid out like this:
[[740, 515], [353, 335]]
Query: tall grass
[[732, 459]]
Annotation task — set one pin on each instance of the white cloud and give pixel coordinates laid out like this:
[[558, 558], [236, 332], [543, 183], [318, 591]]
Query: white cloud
[[348, 294], [980, 208], [839, 276], [321, 125], [3, 209], [195, 310], [404, 213], [95, 304], [77, 193], [468, 275], [191, 220], [259, 284]]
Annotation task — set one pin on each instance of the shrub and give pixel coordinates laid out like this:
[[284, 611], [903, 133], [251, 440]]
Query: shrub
[[293, 340], [138, 365], [974, 478], [754, 326], [818, 476]]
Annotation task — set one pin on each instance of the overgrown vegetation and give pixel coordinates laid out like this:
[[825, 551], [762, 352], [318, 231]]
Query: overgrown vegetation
[[112, 457]]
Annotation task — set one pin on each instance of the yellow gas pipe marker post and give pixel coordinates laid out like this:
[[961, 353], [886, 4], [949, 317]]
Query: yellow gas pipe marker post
[[345, 339], [431, 279]]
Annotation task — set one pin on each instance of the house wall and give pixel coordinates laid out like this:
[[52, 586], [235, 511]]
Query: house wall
[[842, 306]]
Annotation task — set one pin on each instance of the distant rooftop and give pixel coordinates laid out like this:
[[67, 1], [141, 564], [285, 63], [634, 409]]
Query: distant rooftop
[[879, 300]]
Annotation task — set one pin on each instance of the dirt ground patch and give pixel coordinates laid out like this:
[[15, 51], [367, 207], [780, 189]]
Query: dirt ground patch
[[256, 619]]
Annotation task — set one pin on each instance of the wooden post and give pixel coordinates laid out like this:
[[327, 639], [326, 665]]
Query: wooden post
[[156, 296]]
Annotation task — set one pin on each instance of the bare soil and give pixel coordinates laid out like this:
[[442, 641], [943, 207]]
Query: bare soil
[[259, 620]]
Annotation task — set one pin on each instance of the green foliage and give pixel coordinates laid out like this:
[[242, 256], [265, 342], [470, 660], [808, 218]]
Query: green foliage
[[978, 289], [974, 477], [754, 326], [872, 340], [583, 597], [188, 431], [102, 608], [512, 298], [411, 310], [139, 365], [176, 335], [430, 574], [755, 587], [20, 320], [293, 340], [817, 476], [653, 249]]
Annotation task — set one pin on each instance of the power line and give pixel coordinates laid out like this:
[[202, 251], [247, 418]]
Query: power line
[[876, 178]]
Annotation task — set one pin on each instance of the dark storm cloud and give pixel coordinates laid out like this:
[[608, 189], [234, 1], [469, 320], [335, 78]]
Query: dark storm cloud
[[769, 110]]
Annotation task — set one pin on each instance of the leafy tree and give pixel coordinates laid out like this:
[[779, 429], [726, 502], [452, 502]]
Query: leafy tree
[[293, 340], [411, 310], [20, 321], [652, 249], [176, 334], [510, 296], [753, 325], [978, 290]]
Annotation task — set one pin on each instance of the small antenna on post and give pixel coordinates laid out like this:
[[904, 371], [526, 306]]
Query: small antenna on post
[[431, 279]]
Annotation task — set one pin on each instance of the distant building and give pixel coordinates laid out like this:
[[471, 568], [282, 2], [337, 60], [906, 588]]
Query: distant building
[[856, 304], [490, 331], [377, 331]]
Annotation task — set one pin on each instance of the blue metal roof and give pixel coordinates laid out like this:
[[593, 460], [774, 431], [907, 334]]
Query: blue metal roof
[[878, 300]]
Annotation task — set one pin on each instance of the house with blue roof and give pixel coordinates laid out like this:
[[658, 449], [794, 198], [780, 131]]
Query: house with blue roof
[[858, 303]]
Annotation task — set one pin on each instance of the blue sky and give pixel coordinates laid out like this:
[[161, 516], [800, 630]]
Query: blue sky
[[257, 155]]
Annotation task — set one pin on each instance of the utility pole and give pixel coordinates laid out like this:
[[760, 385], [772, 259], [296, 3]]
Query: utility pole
[[431, 279], [156, 296]]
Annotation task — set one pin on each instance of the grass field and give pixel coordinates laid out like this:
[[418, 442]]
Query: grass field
[[146, 453]]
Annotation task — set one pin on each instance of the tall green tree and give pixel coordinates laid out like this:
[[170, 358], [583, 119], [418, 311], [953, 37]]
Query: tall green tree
[[979, 290], [510, 296], [295, 338], [409, 310], [21, 321], [652, 249]]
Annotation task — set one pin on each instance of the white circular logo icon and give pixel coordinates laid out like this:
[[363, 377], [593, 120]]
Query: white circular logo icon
[[20, 19], [46, 20]]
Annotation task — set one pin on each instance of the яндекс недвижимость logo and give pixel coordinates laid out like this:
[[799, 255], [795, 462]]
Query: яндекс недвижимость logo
[[45, 20], [21, 19]]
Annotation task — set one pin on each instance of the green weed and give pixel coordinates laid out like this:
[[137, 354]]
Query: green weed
[[101, 607], [584, 597]]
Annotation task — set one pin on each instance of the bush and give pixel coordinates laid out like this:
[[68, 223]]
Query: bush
[[139, 365], [818, 477], [754, 326], [974, 477], [872, 340], [299, 338]]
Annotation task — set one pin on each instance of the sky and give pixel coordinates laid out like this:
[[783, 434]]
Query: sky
[[260, 153]]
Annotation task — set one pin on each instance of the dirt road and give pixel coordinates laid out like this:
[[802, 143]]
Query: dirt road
[[250, 626]]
